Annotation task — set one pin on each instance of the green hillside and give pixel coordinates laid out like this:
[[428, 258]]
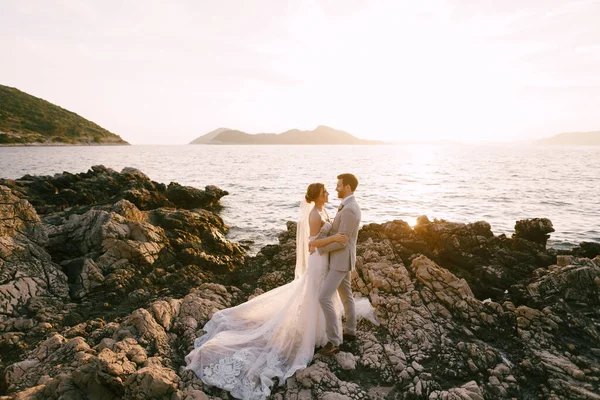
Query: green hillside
[[25, 119]]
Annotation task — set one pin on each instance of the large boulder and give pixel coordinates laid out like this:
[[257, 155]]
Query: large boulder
[[31, 285], [535, 230]]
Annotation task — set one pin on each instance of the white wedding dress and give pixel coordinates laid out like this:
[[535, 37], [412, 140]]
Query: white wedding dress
[[270, 336]]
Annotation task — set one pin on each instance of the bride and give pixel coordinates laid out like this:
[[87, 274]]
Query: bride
[[273, 335]]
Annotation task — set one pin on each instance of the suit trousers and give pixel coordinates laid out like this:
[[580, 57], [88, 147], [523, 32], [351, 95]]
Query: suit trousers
[[340, 281]]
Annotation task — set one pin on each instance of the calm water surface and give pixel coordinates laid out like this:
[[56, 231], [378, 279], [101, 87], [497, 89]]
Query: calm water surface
[[459, 183]]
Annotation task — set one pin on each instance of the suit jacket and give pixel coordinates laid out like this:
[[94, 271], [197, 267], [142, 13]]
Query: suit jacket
[[342, 256]]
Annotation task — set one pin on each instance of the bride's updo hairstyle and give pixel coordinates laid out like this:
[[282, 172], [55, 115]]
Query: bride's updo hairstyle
[[313, 191]]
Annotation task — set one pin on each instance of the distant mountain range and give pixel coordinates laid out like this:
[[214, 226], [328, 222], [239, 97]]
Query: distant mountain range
[[321, 135], [206, 139], [574, 138], [28, 120]]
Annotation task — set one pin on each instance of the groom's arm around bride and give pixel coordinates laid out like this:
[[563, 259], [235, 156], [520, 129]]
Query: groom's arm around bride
[[348, 225]]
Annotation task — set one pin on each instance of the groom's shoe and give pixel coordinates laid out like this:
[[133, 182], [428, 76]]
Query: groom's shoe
[[329, 349], [348, 337]]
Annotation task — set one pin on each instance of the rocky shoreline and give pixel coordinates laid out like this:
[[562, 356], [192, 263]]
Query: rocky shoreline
[[106, 278]]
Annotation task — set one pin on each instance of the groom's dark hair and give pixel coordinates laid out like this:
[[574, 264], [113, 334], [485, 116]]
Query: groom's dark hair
[[349, 179]]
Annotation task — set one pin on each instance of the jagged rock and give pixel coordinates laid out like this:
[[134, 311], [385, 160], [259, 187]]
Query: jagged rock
[[104, 185], [151, 383], [121, 231], [491, 264], [97, 247], [579, 281], [132, 359], [142, 327], [585, 249], [468, 391], [535, 230], [118, 251], [26, 270], [198, 238], [188, 197], [325, 384], [346, 360], [33, 289], [135, 172], [164, 312]]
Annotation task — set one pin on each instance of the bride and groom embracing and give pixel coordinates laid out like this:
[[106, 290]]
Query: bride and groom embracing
[[247, 347]]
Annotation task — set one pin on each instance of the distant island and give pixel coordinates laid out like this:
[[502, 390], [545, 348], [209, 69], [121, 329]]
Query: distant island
[[26, 120], [321, 135], [574, 139]]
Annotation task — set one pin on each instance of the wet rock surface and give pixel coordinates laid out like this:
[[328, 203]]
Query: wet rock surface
[[104, 299], [101, 185]]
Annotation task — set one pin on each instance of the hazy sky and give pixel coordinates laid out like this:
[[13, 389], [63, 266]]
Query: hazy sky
[[168, 72]]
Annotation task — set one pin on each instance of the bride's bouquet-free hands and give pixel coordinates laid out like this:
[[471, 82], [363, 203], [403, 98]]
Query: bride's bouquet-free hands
[[338, 237]]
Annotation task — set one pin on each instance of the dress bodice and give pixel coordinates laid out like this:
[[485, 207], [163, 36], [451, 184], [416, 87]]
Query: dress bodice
[[325, 228]]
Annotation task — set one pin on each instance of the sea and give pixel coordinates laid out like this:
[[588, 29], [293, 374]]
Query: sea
[[461, 183]]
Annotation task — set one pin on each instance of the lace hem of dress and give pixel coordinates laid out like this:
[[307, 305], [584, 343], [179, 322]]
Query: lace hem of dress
[[230, 373]]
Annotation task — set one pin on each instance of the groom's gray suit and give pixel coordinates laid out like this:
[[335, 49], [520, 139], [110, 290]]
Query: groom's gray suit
[[342, 259]]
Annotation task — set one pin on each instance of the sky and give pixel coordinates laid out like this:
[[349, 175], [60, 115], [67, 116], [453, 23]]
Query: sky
[[159, 72]]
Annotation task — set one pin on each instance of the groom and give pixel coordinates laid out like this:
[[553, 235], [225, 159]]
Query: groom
[[342, 258]]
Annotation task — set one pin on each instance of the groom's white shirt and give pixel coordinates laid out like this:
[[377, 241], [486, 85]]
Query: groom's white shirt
[[346, 199]]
